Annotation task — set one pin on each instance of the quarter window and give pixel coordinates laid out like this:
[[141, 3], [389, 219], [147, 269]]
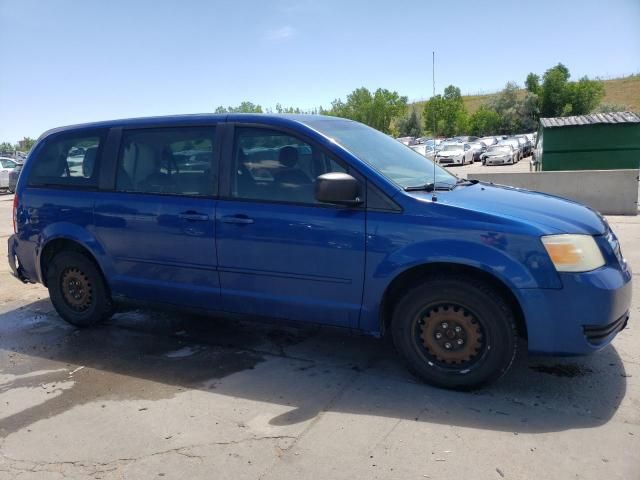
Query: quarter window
[[173, 161], [68, 160], [273, 166]]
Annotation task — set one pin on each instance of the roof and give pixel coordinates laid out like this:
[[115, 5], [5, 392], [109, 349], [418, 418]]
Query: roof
[[194, 119], [595, 118]]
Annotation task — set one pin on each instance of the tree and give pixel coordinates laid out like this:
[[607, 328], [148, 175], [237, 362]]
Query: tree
[[25, 144], [529, 112], [244, 107], [6, 148], [559, 97], [554, 95], [532, 83], [376, 110], [507, 105], [453, 111], [445, 115], [281, 109], [484, 121], [433, 116], [408, 125], [584, 95], [517, 111]]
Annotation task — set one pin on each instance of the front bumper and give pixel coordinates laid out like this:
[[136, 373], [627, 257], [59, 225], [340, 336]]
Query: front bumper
[[450, 161], [582, 317], [497, 160]]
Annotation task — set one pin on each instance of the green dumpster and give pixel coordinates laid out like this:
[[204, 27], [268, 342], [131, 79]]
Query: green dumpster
[[604, 141]]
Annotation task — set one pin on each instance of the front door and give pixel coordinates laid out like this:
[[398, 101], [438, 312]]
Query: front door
[[281, 254], [158, 226]]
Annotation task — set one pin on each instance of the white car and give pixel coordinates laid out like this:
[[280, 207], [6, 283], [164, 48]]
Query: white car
[[6, 166], [516, 146], [426, 149], [500, 155], [454, 154]]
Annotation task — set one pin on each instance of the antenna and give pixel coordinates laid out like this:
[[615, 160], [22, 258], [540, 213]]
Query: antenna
[[434, 197]]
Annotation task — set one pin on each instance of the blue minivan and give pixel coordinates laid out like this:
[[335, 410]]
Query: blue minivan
[[315, 219]]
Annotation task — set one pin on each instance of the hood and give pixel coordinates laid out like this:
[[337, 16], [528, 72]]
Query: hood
[[549, 213], [498, 154]]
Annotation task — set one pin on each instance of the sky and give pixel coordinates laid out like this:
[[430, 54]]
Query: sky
[[74, 61]]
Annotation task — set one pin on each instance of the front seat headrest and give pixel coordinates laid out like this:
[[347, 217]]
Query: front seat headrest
[[89, 161], [288, 156]]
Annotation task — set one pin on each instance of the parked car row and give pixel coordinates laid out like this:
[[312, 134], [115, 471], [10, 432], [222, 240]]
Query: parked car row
[[465, 149]]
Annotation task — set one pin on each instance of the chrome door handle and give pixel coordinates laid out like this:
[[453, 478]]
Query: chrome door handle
[[193, 216], [237, 219]]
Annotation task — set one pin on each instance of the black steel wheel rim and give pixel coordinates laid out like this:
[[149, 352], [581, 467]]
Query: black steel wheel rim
[[77, 290], [450, 336]]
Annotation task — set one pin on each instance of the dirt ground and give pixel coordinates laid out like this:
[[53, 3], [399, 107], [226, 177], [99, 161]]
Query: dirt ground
[[160, 395]]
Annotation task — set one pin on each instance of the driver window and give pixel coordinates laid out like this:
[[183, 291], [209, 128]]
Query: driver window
[[274, 166]]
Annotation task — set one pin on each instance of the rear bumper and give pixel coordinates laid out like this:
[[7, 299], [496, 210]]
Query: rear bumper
[[14, 263], [582, 317]]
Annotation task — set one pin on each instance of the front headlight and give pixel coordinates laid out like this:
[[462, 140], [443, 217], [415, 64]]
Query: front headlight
[[573, 253]]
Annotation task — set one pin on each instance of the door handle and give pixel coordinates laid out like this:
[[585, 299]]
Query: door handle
[[194, 216], [237, 219]]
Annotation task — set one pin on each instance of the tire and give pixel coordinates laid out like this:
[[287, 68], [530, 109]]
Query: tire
[[77, 289], [486, 323]]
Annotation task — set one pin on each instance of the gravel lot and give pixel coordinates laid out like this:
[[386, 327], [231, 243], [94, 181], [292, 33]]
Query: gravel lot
[[159, 395]]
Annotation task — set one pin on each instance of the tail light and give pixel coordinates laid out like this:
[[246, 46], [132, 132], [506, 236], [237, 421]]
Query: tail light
[[15, 213]]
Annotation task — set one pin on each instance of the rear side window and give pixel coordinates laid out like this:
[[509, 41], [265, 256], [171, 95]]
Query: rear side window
[[172, 161], [68, 160]]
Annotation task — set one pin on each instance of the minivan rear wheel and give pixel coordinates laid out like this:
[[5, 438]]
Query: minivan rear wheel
[[455, 333], [77, 289]]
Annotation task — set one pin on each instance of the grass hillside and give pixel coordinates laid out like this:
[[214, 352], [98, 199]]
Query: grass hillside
[[619, 91], [623, 91]]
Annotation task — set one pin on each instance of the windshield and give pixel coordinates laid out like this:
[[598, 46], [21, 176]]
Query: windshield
[[398, 163], [499, 149], [452, 147]]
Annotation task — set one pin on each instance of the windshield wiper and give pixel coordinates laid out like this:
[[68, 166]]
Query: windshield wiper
[[430, 187], [464, 181], [440, 186]]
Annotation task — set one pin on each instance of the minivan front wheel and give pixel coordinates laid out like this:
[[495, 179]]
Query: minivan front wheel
[[77, 289], [455, 333]]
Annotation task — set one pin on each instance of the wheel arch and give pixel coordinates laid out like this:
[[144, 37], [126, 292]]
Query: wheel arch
[[59, 244], [412, 276]]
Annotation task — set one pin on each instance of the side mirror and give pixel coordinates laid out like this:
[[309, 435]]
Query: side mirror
[[338, 188]]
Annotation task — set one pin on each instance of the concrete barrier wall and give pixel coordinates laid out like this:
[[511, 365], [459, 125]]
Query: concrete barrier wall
[[611, 192]]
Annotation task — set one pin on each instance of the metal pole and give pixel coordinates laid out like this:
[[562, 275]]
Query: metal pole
[[434, 198]]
